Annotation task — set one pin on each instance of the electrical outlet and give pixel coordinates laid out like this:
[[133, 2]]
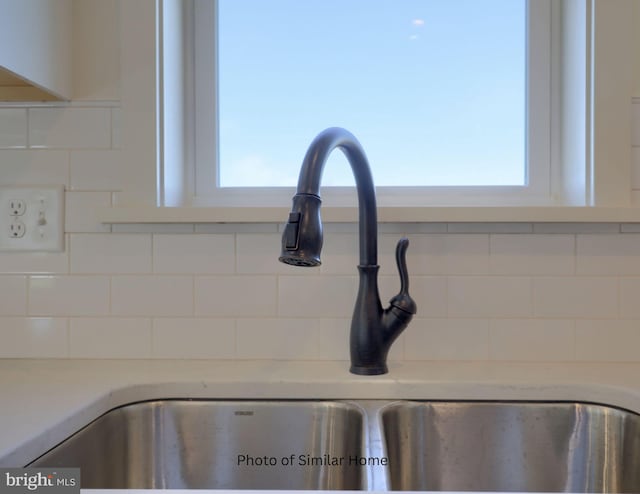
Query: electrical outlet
[[17, 207], [17, 229], [32, 218]]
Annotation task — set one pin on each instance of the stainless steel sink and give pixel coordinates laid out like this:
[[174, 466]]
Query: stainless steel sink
[[498, 446], [217, 445], [397, 445]]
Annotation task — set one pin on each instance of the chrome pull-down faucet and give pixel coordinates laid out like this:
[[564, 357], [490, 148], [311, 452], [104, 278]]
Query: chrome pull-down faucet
[[373, 329]]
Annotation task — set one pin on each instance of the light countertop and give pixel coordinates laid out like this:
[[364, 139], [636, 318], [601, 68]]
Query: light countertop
[[45, 401]]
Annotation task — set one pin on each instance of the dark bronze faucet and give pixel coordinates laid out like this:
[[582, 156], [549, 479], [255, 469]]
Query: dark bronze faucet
[[373, 329]]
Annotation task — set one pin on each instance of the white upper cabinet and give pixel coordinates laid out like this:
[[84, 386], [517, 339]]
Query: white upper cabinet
[[35, 50]]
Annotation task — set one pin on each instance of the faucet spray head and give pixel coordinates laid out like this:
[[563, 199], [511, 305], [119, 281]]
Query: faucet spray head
[[302, 236]]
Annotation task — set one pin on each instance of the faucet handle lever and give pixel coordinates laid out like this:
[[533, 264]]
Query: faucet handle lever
[[403, 300]]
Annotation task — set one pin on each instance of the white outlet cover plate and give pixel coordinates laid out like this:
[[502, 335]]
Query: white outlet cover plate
[[42, 203]]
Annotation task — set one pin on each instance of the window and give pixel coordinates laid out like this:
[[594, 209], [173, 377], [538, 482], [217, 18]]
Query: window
[[434, 90], [450, 99], [593, 61]]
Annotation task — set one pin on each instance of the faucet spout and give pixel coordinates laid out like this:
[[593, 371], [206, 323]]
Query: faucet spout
[[373, 329]]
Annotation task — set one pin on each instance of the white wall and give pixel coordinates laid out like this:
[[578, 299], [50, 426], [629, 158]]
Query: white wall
[[544, 292]]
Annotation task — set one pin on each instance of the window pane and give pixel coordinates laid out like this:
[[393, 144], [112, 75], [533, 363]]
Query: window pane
[[433, 89]]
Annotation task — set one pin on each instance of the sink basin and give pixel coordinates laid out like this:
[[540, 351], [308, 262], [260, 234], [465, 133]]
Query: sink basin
[[502, 446], [178, 444], [398, 445]]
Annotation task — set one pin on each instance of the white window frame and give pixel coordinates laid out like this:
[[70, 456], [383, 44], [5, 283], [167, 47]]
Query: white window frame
[[592, 178], [205, 191]]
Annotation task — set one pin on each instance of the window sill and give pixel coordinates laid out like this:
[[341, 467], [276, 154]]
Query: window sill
[[138, 215]]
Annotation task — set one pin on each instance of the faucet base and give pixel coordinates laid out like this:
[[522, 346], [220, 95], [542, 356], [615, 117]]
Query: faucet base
[[375, 370]]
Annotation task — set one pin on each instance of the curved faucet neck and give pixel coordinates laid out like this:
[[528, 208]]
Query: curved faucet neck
[[373, 329], [311, 174]]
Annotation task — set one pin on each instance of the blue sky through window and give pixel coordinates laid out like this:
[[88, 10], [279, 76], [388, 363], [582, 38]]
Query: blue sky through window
[[433, 89]]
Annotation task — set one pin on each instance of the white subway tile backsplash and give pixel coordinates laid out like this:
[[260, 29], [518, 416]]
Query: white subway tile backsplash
[[33, 337], [608, 255], [13, 295], [585, 297], [69, 128], [13, 128], [635, 123], [31, 167], [333, 228], [340, 253], [68, 295], [116, 128], [489, 228], [333, 343], [412, 228], [460, 254], [181, 228], [81, 210], [635, 167], [150, 296], [194, 338], [103, 170], [447, 339], [629, 298], [198, 254], [576, 228], [532, 254], [319, 296], [278, 338], [93, 253], [542, 340], [237, 228], [35, 262], [485, 296], [258, 254], [608, 340], [630, 227], [485, 291], [634, 202], [241, 296], [92, 337]]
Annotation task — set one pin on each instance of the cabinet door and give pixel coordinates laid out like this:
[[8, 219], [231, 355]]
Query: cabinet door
[[35, 49]]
